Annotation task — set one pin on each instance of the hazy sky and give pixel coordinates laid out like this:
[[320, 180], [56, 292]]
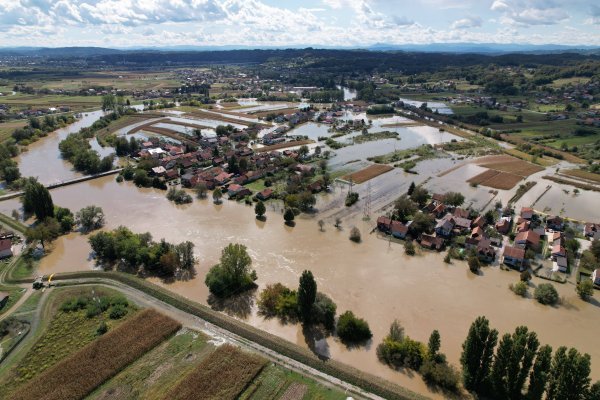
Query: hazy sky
[[125, 23]]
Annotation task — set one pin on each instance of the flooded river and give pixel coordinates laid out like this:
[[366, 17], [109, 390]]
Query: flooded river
[[374, 279], [42, 158]]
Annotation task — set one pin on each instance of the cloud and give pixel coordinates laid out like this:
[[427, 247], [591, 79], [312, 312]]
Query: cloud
[[466, 23], [594, 18], [526, 13]]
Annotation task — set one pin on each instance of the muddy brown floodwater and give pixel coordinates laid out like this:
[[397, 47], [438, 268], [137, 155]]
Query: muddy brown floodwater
[[375, 279]]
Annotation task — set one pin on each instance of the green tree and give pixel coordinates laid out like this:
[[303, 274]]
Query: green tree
[[288, 216], [185, 253], [109, 102], [232, 275], [594, 392], [37, 200], [201, 190], [422, 223], [513, 362], [260, 209], [569, 377], [217, 195], [545, 293], [585, 289], [420, 195], [474, 264], [433, 346], [409, 248], [539, 374], [352, 329], [411, 188], [90, 218], [307, 293], [454, 199], [478, 351], [44, 231], [404, 208]]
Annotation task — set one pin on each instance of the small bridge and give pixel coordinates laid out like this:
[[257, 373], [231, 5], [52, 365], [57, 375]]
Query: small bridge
[[73, 181]]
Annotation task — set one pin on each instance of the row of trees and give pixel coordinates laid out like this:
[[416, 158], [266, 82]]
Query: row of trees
[[77, 149], [138, 251], [38, 127], [501, 370]]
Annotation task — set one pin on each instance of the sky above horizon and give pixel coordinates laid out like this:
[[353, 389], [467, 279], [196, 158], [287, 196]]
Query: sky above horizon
[[132, 23]]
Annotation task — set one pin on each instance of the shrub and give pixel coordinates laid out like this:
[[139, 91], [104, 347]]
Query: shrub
[[117, 312], [440, 374], [474, 264], [406, 353], [353, 329], [102, 329], [585, 289], [355, 235], [409, 248], [520, 288], [179, 196], [525, 276], [323, 311], [351, 198], [545, 293]]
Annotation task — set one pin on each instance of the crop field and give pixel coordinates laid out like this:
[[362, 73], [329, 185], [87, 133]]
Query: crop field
[[221, 117], [78, 375], [503, 180], [263, 114], [510, 164], [7, 128], [154, 374], [223, 375], [368, 173], [124, 122], [66, 333]]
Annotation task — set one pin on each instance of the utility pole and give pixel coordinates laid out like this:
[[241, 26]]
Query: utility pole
[[367, 209]]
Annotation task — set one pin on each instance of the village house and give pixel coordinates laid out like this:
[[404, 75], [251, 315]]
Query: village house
[[528, 239], [527, 213], [444, 226], [513, 256], [485, 251], [398, 229], [235, 191], [461, 213], [432, 242], [503, 225], [265, 194], [555, 223], [560, 264], [384, 224]]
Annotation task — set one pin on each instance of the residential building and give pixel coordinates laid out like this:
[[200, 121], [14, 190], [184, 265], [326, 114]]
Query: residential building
[[514, 256]]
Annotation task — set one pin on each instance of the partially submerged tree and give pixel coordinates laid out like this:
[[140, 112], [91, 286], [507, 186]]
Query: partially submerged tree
[[90, 218]]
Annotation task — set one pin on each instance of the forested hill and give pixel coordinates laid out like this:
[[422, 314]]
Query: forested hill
[[340, 61]]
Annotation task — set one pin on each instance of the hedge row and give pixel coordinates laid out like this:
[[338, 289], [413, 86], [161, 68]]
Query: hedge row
[[366, 381]]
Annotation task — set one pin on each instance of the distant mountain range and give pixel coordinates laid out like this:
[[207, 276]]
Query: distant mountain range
[[474, 48]]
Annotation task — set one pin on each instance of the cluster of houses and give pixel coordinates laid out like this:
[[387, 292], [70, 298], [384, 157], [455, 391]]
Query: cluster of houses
[[469, 230], [451, 222], [210, 165]]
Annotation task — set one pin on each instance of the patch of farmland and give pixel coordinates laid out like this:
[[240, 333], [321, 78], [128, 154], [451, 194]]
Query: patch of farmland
[[482, 177], [296, 391], [223, 375], [503, 180], [512, 165], [78, 375], [368, 173]]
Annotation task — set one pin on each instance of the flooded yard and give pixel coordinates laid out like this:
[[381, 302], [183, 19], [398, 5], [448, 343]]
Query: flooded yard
[[375, 279]]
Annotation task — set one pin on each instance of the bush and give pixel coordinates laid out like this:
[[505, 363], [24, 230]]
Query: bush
[[409, 248], [585, 289], [440, 374], [405, 353], [323, 311], [545, 293], [474, 264], [353, 329], [102, 329], [525, 276], [351, 198], [117, 312], [179, 196], [520, 288], [355, 235]]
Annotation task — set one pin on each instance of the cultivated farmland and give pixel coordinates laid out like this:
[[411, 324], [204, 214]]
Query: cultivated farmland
[[503, 172], [76, 376], [221, 376], [368, 173]]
